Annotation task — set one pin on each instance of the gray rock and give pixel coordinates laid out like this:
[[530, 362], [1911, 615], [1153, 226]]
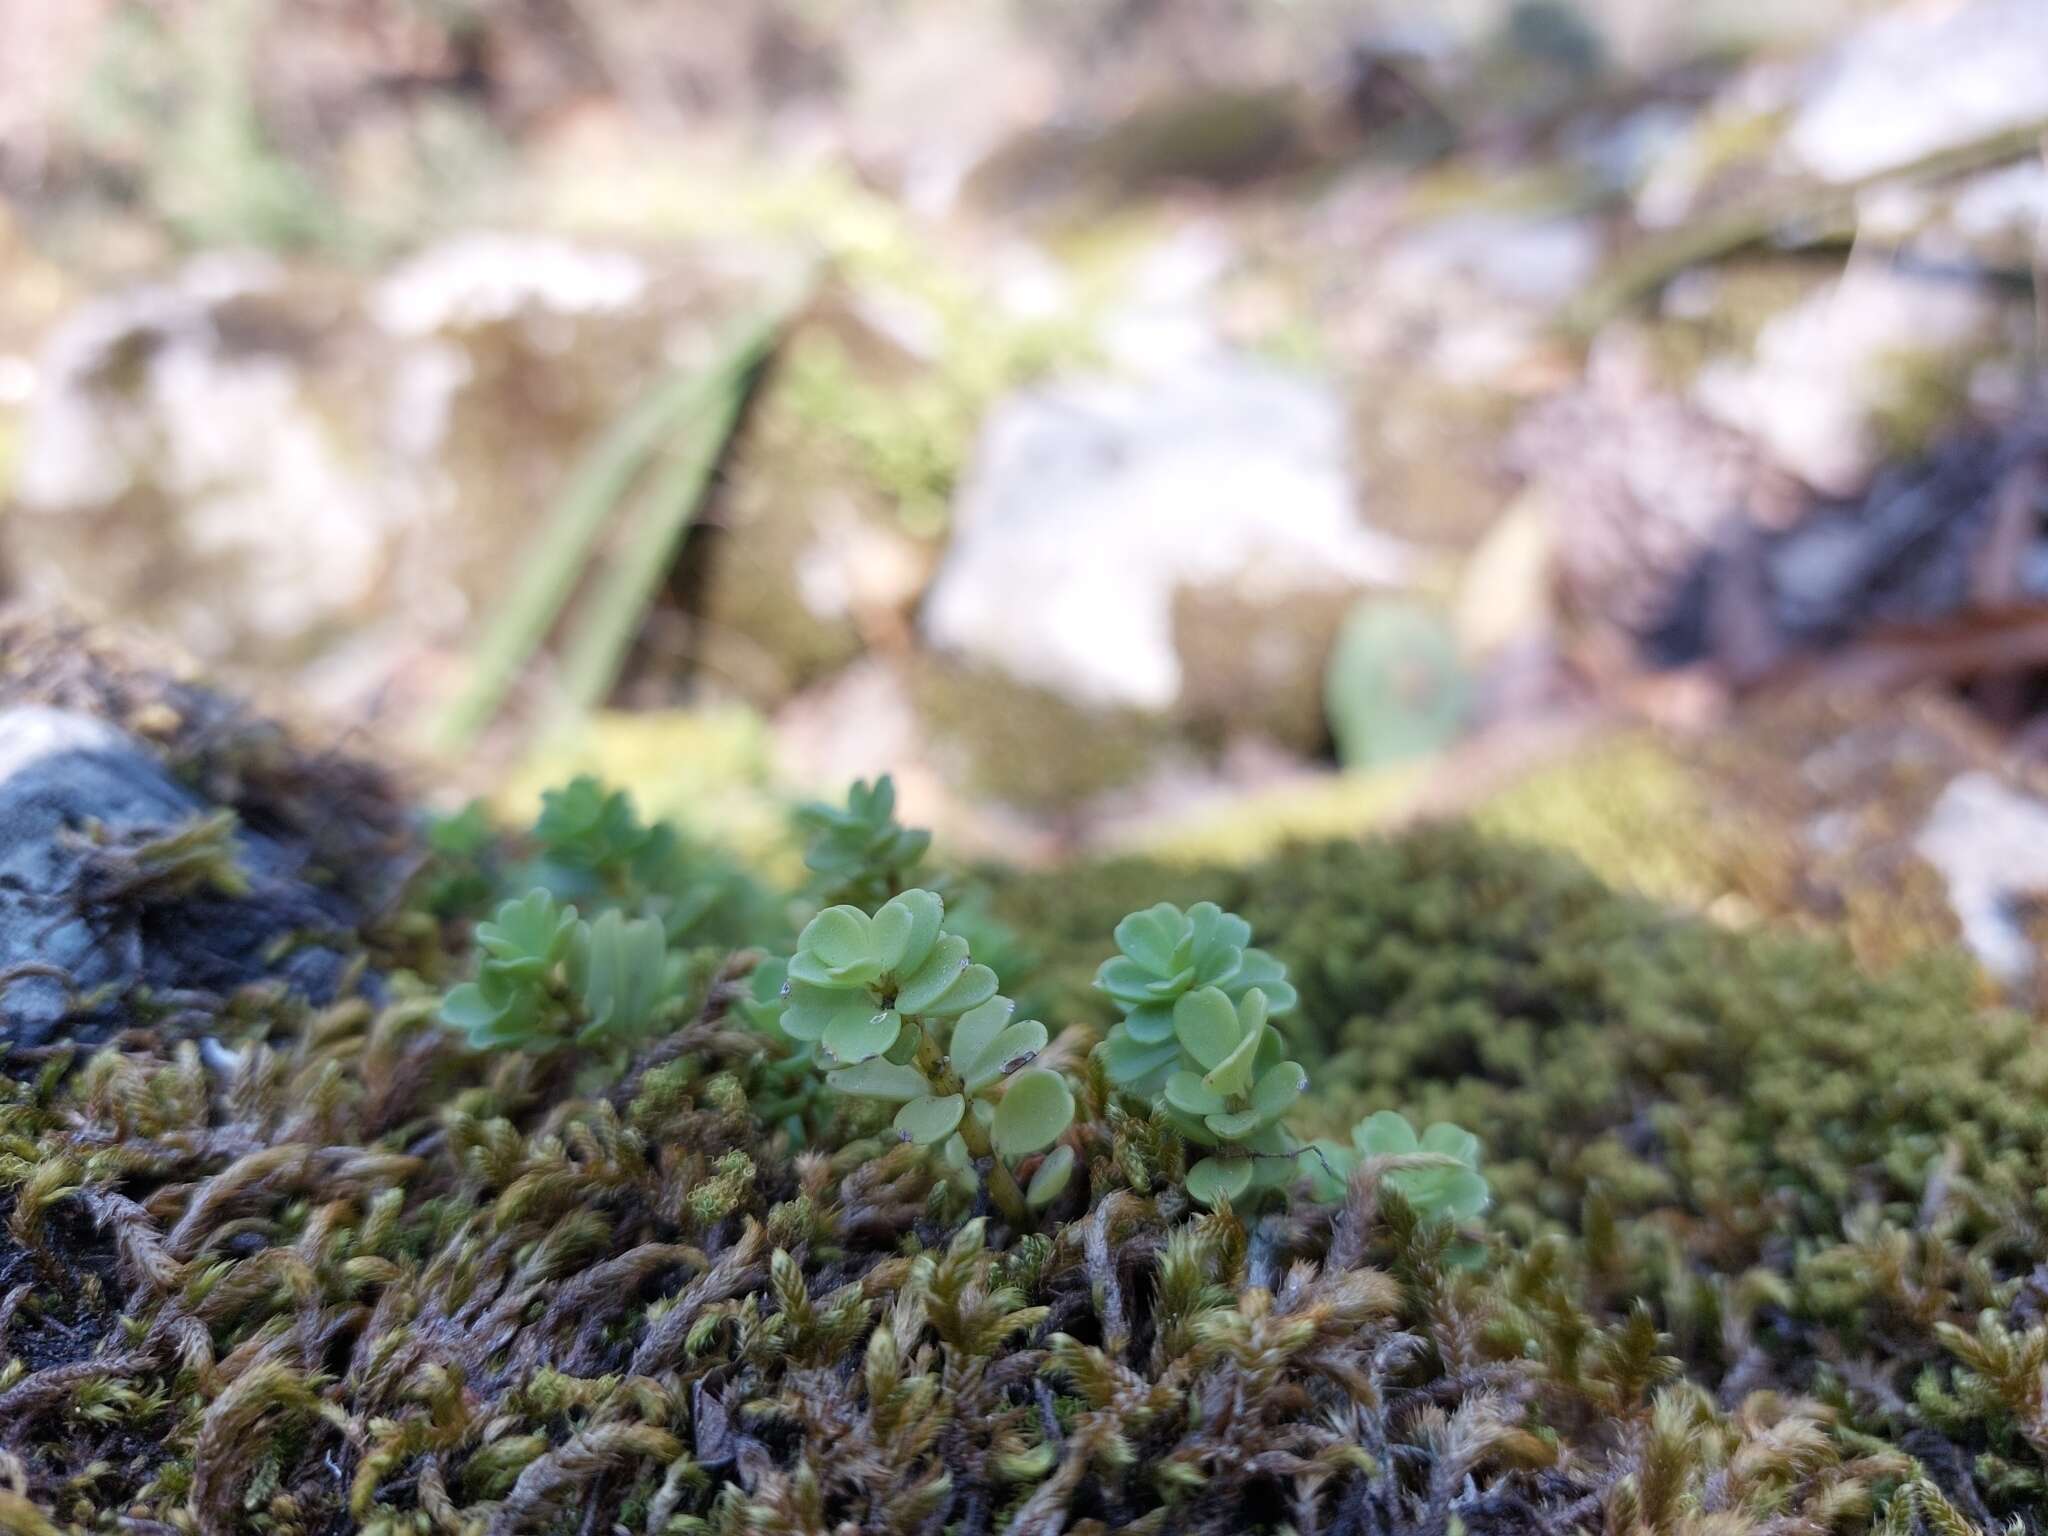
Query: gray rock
[[1092, 504], [1918, 80], [78, 932], [304, 475]]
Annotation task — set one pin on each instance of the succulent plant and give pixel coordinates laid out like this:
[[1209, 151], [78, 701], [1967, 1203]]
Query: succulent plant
[[1450, 1188], [864, 986], [900, 1013], [545, 977], [1235, 1095], [859, 853], [1164, 955]]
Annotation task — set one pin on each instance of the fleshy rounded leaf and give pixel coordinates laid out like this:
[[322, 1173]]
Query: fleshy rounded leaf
[[977, 1027], [1206, 1026], [848, 1039], [1037, 1108], [974, 986], [1014, 1048], [1051, 1179], [1219, 1178], [930, 1119], [904, 930], [813, 1009], [1452, 1141], [1186, 1092], [1150, 1023], [466, 1008], [879, 1078], [1129, 1062], [838, 937], [1233, 1074], [1151, 936], [1384, 1133], [1125, 980], [941, 968], [1277, 1089], [1231, 1127]]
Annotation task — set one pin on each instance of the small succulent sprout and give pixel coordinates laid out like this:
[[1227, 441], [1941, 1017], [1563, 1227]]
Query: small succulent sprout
[[860, 985], [511, 1004], [1166, 954], [546, 976], [859, 852], [1231, 1091], [905, 1017], [1446, 1187], [623, 972]]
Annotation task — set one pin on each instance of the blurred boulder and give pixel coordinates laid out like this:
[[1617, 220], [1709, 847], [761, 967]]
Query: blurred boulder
[[1093, 506], [300, 474], [1853, 371], [1917, 80], [1989, 840]]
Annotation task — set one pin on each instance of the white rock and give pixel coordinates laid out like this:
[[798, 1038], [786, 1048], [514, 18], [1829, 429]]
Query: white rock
[[1921, 79], [1824, 366], [475, 279], [1990, 844], [1091, 503]]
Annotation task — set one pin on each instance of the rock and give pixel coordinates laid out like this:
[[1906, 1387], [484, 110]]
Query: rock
[[92, 898], [1092, 504], [1990, 843], [1835, 378], [293, 474], [1918, 80], [1634, 483]]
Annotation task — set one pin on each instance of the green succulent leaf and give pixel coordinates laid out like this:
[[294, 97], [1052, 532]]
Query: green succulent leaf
[[1150, 937], [836, 947], [1130, 1062], [1186, 1092], [1233, 1074], [1014, 1048], [1051, 1179], [1150, 1023], [1037, 1108], [813, 1009], [620, 970], [1277, 1090], [976, 1028], [1215, 1179], [905, 929], [975, 985], [849, 1039], [467, 1009], [928, 983], [931, 1119], [878, 1078], [1205, 1024]]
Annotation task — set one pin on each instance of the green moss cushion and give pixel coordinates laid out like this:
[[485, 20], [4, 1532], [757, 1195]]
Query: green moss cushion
[[1768, 1255]]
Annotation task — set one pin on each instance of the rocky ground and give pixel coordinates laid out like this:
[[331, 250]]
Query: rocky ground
[[1182, 428]]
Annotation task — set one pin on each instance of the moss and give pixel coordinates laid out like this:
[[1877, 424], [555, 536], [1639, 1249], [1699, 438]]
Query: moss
[[1025, 745], [1766, 1257]]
